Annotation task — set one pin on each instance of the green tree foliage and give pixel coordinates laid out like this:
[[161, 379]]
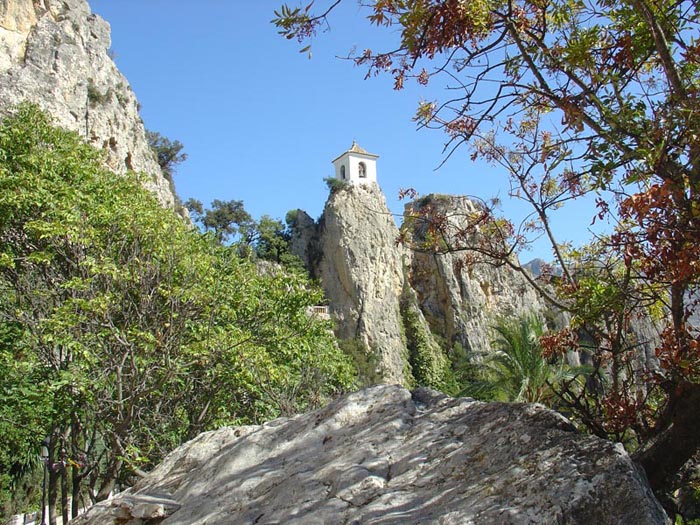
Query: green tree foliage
[[575, 98], [517, 367], [123, 331], [266, 239], [271, 243], [23, 407], [428, 364], [168, 153], [365, 361], [335, 185], [228, 220]]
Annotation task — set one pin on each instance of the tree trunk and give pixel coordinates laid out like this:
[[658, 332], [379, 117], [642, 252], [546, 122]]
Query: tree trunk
[[64, 494], [53, 484], [75, 493], [110, 479], [76, 477], [677, 444]]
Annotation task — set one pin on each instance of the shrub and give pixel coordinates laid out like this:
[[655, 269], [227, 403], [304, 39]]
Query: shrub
[[335, 185]]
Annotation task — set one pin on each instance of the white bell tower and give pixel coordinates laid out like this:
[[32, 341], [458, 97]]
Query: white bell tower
[[356, 166]]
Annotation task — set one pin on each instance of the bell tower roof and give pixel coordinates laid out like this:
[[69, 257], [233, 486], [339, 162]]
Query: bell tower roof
[[357, 150]]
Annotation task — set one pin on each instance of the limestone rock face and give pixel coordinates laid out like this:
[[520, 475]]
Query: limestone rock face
[[55, 54], [366, 275], [361, 270], [385, 455], [462, 302], [17, 17]]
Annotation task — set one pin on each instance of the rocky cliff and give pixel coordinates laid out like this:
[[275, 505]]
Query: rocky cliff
[[56, 54], [394, 300], [385, 455], [361, 270], [462, 301]]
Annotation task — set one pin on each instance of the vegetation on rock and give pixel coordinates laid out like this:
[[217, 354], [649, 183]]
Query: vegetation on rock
[[429, 365], [168, 153], [364, 360], [335, 185]]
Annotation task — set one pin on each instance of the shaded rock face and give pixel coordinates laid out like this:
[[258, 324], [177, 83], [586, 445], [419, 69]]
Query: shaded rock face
[[385, 455], [462, 302], [304, 239], [55, 54]]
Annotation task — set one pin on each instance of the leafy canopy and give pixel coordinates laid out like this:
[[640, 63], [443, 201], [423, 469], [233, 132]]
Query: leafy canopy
[[123, 330], [168, 153], [267, 239]]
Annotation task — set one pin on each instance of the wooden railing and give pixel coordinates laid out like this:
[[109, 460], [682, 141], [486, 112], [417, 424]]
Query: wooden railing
[[320, 311]]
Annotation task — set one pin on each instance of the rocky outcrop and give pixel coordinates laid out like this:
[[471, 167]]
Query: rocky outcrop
[[304, 242], [460, 301], [361, 270], [386, 455], [56, 54], [374, 285]]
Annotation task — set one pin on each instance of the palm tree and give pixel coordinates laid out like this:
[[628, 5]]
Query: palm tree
[[516, 368]]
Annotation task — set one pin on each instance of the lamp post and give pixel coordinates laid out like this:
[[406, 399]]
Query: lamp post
[[45, 460]]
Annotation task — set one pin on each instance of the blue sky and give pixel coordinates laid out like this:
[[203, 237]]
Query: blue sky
[[261, 122]]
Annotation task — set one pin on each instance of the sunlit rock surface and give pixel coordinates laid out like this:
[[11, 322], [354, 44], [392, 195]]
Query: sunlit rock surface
[[56, 54], [361, 271], [385, 455], [365, 272], [462, 301]]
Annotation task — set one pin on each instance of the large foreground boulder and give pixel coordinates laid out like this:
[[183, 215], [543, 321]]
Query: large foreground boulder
[[385, 455]]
